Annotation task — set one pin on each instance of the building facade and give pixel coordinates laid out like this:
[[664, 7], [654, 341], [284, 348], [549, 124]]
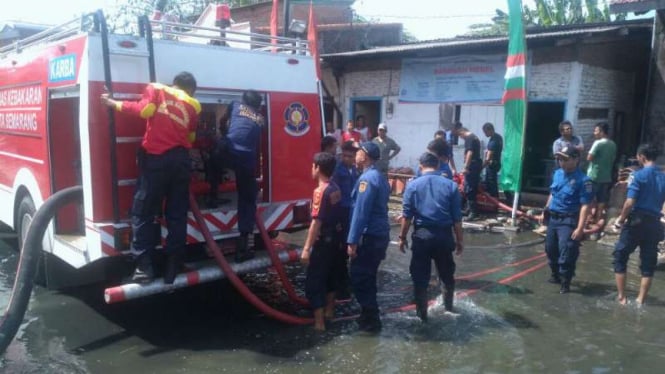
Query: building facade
[[584, 73]]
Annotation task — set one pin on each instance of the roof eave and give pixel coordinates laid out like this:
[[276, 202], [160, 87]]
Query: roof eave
[[636, 6]]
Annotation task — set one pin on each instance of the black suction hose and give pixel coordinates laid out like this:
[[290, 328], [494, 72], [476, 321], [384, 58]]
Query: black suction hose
[[27, 266]]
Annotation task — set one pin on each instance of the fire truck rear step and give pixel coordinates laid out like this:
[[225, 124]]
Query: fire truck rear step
[[200, 272]]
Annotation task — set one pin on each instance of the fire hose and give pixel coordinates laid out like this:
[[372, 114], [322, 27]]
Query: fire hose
[[598, 226], [29, 259], [277, 264], [240, 286]]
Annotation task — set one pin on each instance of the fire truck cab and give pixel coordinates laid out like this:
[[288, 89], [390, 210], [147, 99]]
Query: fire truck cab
[[54, 132]]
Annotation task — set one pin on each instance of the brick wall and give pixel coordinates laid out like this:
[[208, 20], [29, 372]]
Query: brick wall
[[549, 81], [603, 89]]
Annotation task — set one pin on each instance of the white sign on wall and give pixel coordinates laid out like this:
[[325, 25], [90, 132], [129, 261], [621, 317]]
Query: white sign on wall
[[457, 79]]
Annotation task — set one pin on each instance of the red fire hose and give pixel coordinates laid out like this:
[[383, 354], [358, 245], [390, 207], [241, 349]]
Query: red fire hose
[[598, 226], [277, 264], [235, 280], [505, 207]]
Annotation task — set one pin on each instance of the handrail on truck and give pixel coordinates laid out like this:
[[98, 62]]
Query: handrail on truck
[[262, 42], [57, 32]]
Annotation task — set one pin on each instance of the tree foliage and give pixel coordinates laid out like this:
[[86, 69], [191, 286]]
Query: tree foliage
[[550, 13], [123, 17]]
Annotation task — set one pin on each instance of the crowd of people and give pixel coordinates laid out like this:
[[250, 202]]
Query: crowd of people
[[349, 232], [432, 204]]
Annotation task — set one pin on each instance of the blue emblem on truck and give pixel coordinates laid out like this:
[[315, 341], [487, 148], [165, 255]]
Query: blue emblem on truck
[[62, 68], [297, 119]]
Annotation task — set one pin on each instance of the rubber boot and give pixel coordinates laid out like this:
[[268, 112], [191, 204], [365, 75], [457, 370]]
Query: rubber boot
[[554, 278], [420, 295], [144, 271], [565, 286], [473, 211], [242, 250], [362, 319], [369, 320], [172, 267], [448, 296]]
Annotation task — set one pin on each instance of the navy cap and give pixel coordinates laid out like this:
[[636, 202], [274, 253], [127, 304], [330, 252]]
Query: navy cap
[[568, 152], [371, 149], [428, 159]]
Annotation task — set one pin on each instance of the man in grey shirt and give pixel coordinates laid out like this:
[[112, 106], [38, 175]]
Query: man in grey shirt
[[567, 139], [388, 147]]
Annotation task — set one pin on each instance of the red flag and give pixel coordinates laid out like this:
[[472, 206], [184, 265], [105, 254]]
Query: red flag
[[312, 40], [273, 22]]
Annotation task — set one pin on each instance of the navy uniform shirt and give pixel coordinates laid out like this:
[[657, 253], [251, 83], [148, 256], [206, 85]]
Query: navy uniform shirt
[[570, 191], [244, 128], [647, 187], [495, 144], [432, 200], [345, 177], [326, 207], [370, 206], [472, 143], [444, 171]]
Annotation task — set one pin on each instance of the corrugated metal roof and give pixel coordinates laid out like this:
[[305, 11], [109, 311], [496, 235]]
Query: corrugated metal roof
[[532, 34], [19, 29], [619, 6]]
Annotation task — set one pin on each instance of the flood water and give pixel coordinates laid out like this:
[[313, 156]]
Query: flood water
[[511, 321]]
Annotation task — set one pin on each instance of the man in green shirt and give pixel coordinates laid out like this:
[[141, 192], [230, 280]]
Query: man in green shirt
[[601, 158]]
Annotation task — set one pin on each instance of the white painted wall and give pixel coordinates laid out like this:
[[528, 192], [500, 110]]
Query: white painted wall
[[473, 117], [413, 125]]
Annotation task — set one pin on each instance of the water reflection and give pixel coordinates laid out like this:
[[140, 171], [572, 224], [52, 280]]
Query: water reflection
[[510, 320]]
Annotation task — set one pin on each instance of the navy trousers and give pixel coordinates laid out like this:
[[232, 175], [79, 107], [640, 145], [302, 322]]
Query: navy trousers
[[471, 181], [562, 251], [644, 231], [432, 245], [163, 181], [341, 257], [491, 181], [244, 165], [321, 278], [364, 267]]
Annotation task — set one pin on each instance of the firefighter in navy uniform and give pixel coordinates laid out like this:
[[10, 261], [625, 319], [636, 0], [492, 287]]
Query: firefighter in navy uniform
[[369, 234], [345, 176], [171, 115], [434, 202], [640, 222], [244, 134], [567, 208]]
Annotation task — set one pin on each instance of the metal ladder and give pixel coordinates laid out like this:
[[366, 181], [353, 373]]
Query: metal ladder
[[145, 31]]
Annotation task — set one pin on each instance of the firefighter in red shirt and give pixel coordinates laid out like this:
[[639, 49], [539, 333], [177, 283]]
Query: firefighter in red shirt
[[171, 115]]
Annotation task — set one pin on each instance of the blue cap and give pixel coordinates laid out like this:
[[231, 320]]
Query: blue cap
[[371, 149]]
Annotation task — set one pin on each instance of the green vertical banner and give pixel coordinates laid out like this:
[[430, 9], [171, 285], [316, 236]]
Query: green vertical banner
[[514, 101]]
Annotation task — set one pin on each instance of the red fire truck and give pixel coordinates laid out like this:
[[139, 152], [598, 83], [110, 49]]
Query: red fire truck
[[54, 133]]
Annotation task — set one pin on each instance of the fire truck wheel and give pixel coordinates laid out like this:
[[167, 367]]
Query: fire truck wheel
[[26, 211]]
